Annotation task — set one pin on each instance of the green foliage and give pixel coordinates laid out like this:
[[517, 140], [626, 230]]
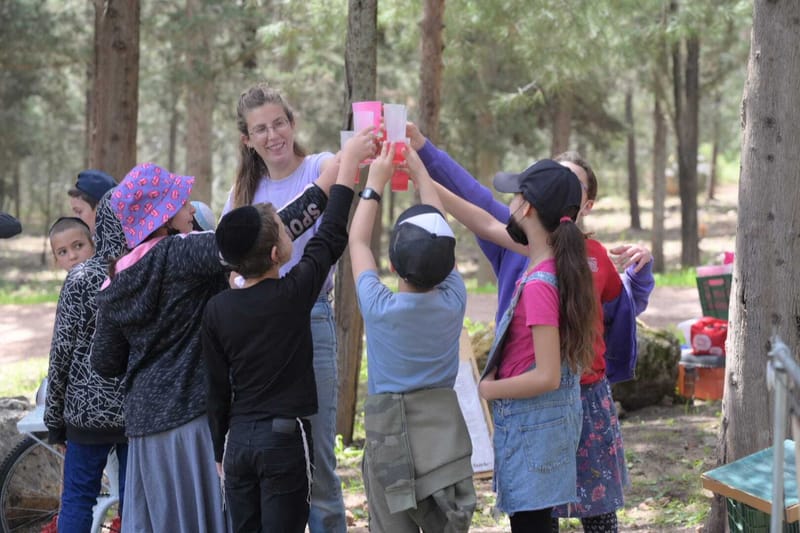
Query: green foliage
[[686, 277], [22, 378]]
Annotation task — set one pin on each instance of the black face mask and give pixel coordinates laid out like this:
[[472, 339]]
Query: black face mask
[[515, 232]]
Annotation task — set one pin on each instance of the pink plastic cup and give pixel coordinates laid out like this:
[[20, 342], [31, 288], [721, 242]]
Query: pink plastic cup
[[373, 107]]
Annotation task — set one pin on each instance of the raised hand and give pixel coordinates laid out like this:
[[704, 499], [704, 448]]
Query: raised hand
[[630, 254], [381, 170], [360, 146], [416, 136]]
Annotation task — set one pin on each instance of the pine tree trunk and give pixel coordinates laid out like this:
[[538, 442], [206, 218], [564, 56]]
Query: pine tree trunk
[[116, 87], [659, 183], [764, 294], [361, 83], [430, 72], [199, 105], [633, 175]]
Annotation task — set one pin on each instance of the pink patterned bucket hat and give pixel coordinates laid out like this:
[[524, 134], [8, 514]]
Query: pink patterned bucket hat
[[147, 198]]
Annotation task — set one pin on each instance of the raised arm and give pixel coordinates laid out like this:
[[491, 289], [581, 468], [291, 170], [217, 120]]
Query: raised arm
[[330, 169], [422, 180], [455, 178], [367, 209], [479, 222]]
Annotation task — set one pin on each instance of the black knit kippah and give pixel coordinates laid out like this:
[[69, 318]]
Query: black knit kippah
[[237, 233]]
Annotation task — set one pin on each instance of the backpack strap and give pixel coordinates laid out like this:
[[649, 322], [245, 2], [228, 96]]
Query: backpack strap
[[547, 277]]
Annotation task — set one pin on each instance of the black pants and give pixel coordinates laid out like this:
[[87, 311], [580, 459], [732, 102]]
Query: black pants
[[266, 482]]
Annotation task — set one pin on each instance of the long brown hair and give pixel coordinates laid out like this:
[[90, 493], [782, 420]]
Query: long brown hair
[[576, 294], [251, 166]]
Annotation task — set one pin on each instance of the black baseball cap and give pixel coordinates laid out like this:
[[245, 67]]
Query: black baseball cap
[[551, 188], [422, 246]]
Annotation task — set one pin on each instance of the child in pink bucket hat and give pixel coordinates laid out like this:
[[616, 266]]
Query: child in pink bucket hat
[[148, 330], [148, 198]]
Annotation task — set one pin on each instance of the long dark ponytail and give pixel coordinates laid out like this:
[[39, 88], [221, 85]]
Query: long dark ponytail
[[577, 298]]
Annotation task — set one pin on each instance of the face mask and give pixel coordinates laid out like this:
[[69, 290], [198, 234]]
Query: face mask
[[515, 231]]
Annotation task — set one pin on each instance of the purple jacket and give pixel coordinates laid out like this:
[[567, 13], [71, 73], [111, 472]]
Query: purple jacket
[[619, 315]]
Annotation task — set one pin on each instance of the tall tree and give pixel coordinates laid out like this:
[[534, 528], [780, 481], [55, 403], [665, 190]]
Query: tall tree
[[633, 175], [361, 68], [430, 72], [764, 300], [115, 100], [199, 100], [686, 95], [659, 183]]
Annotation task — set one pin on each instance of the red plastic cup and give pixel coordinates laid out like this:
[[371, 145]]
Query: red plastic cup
[[400, 177], [399, 181]]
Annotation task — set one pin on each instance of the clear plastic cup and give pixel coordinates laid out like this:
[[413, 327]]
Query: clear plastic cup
[[344, 136], [394, 119]]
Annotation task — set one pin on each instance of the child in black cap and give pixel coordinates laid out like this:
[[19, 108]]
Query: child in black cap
[[412, 480], [258, 348], [543, 342], [90, 186]]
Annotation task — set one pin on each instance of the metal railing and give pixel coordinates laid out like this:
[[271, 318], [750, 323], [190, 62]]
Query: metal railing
[[783, 374]]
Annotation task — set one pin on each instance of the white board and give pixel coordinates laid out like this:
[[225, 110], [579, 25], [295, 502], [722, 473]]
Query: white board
[[474, 409]]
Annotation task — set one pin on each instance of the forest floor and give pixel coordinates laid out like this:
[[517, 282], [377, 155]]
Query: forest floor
[[667, 446]]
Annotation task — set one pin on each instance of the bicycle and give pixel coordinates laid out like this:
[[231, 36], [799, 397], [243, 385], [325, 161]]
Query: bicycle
[[31, 476]]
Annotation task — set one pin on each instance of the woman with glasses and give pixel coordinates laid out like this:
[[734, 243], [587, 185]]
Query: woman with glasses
[[274, 168]]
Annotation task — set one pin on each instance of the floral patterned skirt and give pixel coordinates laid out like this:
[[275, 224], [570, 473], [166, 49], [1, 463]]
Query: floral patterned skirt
[[602, 473]]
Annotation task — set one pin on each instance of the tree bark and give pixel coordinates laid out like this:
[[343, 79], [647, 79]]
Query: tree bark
[[562, 123], [633, 176], [199, 104], [711, 190], [686, 94], [763, 296], [659, 183], [361, 83], [116, 86], [431, 66]]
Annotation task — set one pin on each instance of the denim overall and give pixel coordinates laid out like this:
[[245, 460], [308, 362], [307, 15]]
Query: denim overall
[[535, 439]]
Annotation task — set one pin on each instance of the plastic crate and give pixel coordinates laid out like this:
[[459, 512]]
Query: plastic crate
[[701, 377], [746, 485], [715, 295], [745, 519]]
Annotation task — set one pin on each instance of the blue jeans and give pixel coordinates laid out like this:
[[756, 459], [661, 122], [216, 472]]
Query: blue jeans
[[83, 474], [327, 513], [266, 475]]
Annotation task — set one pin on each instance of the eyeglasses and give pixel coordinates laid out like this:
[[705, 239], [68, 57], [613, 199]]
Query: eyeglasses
[[262, 129]]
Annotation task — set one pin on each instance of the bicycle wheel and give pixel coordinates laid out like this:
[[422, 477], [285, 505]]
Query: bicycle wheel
[[30, 487]]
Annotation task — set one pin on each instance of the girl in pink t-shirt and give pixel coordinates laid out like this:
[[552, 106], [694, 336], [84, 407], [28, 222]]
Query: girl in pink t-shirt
[[543, 342]]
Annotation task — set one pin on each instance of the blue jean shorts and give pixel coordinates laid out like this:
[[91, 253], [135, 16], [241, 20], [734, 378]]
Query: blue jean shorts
[[535, 441]]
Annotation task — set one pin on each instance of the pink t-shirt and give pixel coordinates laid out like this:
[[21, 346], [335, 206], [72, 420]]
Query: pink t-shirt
[[537, 306]]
